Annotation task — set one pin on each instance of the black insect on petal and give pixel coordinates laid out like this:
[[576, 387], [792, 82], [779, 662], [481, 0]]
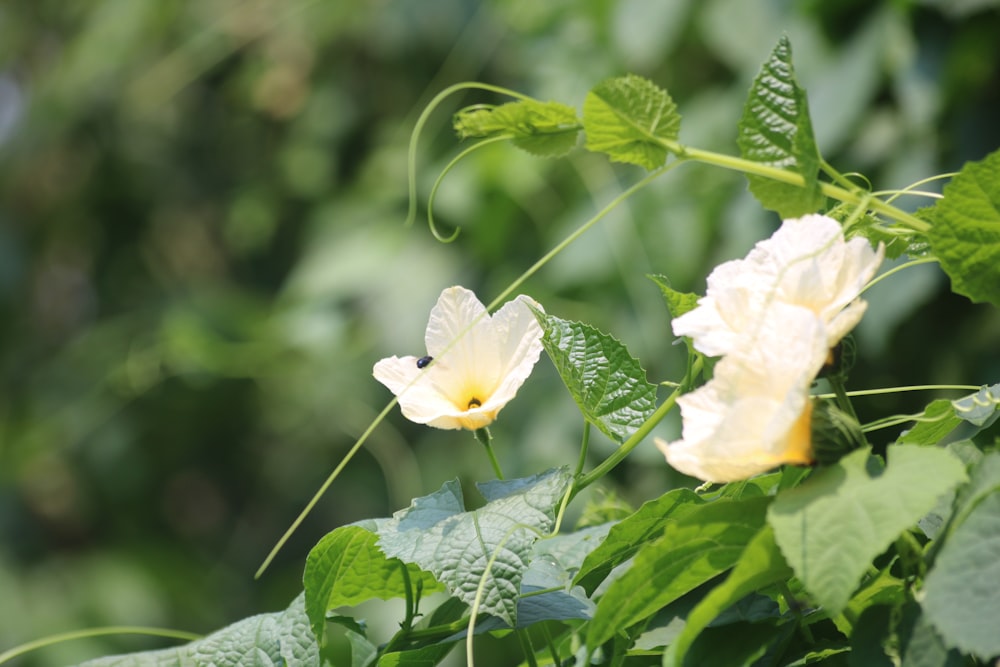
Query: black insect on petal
[[423, 361]]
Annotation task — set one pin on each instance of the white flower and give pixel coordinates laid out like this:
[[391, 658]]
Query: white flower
[[754, 414], [806, 263], [479, 362]]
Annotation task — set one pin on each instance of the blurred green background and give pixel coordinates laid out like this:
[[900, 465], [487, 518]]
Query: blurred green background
[[202, 255]]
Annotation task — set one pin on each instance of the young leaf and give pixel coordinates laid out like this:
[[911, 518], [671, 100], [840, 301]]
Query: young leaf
[[631, 120], [545, 129], [705, 542], [630, 534], [760, 565], [960, 595], [346, 567], [438, 535], [937, 421], [607, 383], [833, 525], [776, 131], [279, 638], [966, 231], [979, 409], [678, 303]]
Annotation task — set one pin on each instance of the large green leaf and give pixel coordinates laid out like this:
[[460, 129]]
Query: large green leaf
[[546, 129], [965, 235], [346, 567], [607, 383], [775, 130], [627, 536], [760, 565], [631, 120], [961, 596], [279, 638], [492, 543], [701, 544], [833, 525]]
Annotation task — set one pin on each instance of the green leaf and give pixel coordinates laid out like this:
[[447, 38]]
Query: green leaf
[[897, 239], [279, 638], [428, 656], [629, 535], [776, 131], [833, 525], [697, 546], [920, 644], [545, 129], [961, 598], [979, 408], [457, 546], [346, 567], [937, 421], [965, 235], [678, 303], [607, 383], [760, 565], [631, 120]]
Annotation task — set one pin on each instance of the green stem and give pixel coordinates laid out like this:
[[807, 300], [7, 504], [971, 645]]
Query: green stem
[[483, 436], [94, 632], [526, 647], [785, 176], [796, 609], [895, 269], [915, 387], [626, 447], [584, 445]]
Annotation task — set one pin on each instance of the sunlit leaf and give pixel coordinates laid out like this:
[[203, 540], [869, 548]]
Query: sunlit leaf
[[438, 535], [678, 303], [631, 120], [607, 383], [346, 567], [833, 525], [960, 595], [761, 564], [965, 235], [703, 543], [627, 536], [279, 638], [776, 131], [546, 129]]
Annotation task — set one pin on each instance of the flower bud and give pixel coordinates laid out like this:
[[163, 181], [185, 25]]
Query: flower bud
[[834, 433]]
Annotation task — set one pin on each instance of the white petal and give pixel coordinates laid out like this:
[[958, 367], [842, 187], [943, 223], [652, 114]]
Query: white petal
[[419, 398], [520, 338]]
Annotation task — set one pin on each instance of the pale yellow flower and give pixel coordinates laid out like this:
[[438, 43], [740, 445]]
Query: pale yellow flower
[[805, 263], [478, 362], [754, 414]]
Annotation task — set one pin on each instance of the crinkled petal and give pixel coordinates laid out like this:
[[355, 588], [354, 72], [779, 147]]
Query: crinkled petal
[[520, 338], [754, 413], [419, 397]]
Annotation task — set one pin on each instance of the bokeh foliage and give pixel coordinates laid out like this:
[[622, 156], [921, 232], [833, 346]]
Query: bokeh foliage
[[202, 254]]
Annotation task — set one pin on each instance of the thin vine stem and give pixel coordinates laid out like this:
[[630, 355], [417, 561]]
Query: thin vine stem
[[411, 155], [27, 647], [626, 447], [897, 269]]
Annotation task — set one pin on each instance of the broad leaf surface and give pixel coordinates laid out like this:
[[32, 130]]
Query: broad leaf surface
[[920, 643], [705, 542], [761, 564], [965, 235], [833, 525], [280, 638], [631, 120], [627, 536], [546, 129], [961, 597], [492, 543], [678, 303], [776, 131], [346, 567], [607, 383], [937, 421]]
